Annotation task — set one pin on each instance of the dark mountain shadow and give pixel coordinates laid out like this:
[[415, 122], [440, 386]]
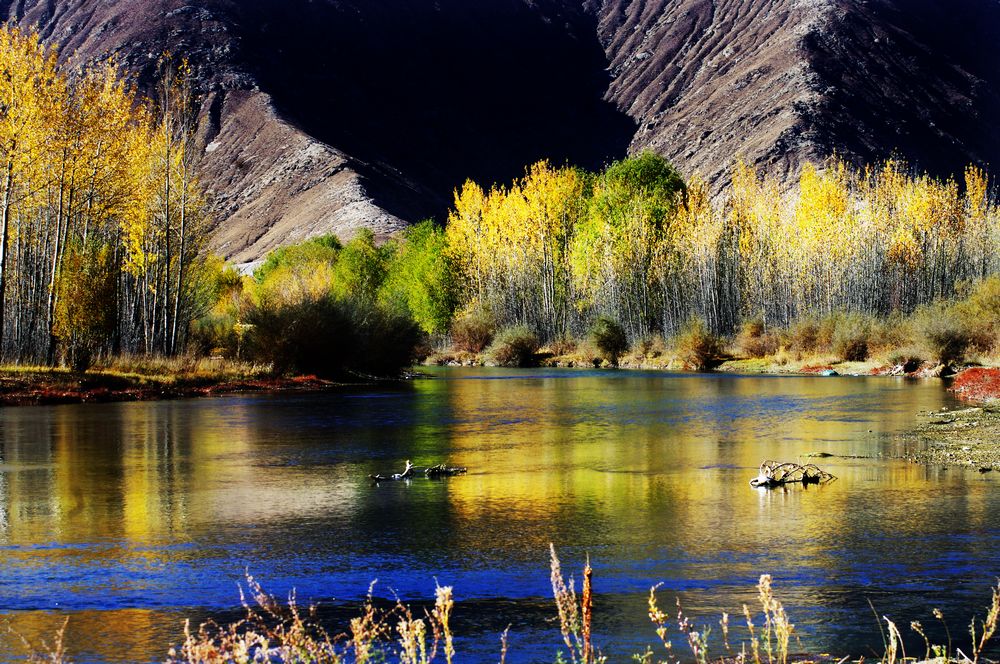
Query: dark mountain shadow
[[925, 87], [439, 91]]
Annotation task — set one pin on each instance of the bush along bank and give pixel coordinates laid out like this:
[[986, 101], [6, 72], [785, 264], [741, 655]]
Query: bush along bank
[[937, 340]]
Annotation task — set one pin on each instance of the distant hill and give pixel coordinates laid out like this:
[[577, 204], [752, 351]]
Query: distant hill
[[330, 115]]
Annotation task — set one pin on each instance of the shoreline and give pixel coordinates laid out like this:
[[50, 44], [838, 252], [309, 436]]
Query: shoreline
[[49, 387], [962, 438], [808, 366], [965, 437]]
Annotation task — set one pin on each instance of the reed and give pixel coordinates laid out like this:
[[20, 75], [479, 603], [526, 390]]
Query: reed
[[281, 631]]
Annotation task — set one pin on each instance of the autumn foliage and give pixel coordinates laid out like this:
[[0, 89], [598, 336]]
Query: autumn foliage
[[101, 219], [561, 248]]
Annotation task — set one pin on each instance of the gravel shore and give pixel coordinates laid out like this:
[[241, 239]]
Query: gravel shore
[[967, 437]]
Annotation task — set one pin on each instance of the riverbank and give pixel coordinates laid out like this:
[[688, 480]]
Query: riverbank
[[966, 437], [778, 364], [152, 380]]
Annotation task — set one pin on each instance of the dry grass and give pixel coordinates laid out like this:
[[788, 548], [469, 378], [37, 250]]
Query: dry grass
[[272, 631], [568, 608], [169, 369], [276, 632], [45, 652]]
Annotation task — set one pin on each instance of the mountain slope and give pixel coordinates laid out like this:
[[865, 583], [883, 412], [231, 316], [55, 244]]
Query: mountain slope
[[331, 115], [780, 81]]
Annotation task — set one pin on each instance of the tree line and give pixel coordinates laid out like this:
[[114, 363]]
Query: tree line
[[103, 228], [101, 217], [561, 248], [623, 256]]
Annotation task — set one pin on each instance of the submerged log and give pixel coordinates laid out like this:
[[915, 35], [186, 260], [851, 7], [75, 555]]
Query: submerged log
[[432, 472], [442, 470], [773, 473]]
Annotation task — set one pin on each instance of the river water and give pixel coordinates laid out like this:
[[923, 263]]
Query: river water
[[128, 518]]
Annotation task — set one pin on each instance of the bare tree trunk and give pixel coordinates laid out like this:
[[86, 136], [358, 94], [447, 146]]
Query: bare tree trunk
[[4, 239]]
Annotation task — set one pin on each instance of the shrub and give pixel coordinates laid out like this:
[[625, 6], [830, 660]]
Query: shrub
[[514, 347], [650, 347], [385, 341], [850, 339], [472, 331], [564, 345], [894, 332], [979, 314], [330, 337], [610, 339], [311, 335], [826, 333], [213, 333], [943, 333], [804, 335], [754, 341], [698, 347]]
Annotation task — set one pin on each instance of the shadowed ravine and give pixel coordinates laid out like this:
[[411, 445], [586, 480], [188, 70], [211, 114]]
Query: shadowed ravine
[[442, 91]]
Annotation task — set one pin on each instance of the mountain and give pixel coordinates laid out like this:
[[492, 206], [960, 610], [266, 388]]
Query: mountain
[[331, 115], [780, 81]]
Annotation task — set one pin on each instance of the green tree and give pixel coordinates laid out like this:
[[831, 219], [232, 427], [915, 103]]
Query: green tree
[[420, 279], [361, 268]]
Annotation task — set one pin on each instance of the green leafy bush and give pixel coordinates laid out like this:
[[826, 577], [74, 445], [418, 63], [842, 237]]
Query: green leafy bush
[[420, 280], [514, 347], [315, 308], [323, 248]]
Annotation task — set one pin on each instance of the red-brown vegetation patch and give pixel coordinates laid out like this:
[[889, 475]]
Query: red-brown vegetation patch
[[977, 384], [53, 389], [816, 368]]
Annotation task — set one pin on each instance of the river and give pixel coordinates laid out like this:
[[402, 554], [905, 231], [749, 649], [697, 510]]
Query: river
[[127, 518]]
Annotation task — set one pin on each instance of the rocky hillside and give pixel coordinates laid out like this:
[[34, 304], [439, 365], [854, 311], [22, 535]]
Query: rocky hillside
[[778, 81], [330, 115]]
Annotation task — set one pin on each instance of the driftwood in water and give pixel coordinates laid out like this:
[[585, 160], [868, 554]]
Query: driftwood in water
[[442, 470], [432, 472], [773, 473]]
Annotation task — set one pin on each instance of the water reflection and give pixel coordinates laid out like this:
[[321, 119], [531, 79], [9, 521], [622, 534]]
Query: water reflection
[[128, 516]]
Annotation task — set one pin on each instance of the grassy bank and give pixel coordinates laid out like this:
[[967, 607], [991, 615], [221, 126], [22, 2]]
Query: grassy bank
[[938, 339], [142, 379]]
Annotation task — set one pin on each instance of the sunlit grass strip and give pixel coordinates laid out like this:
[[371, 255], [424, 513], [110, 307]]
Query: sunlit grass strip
[[150, 369], [181, 366]]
